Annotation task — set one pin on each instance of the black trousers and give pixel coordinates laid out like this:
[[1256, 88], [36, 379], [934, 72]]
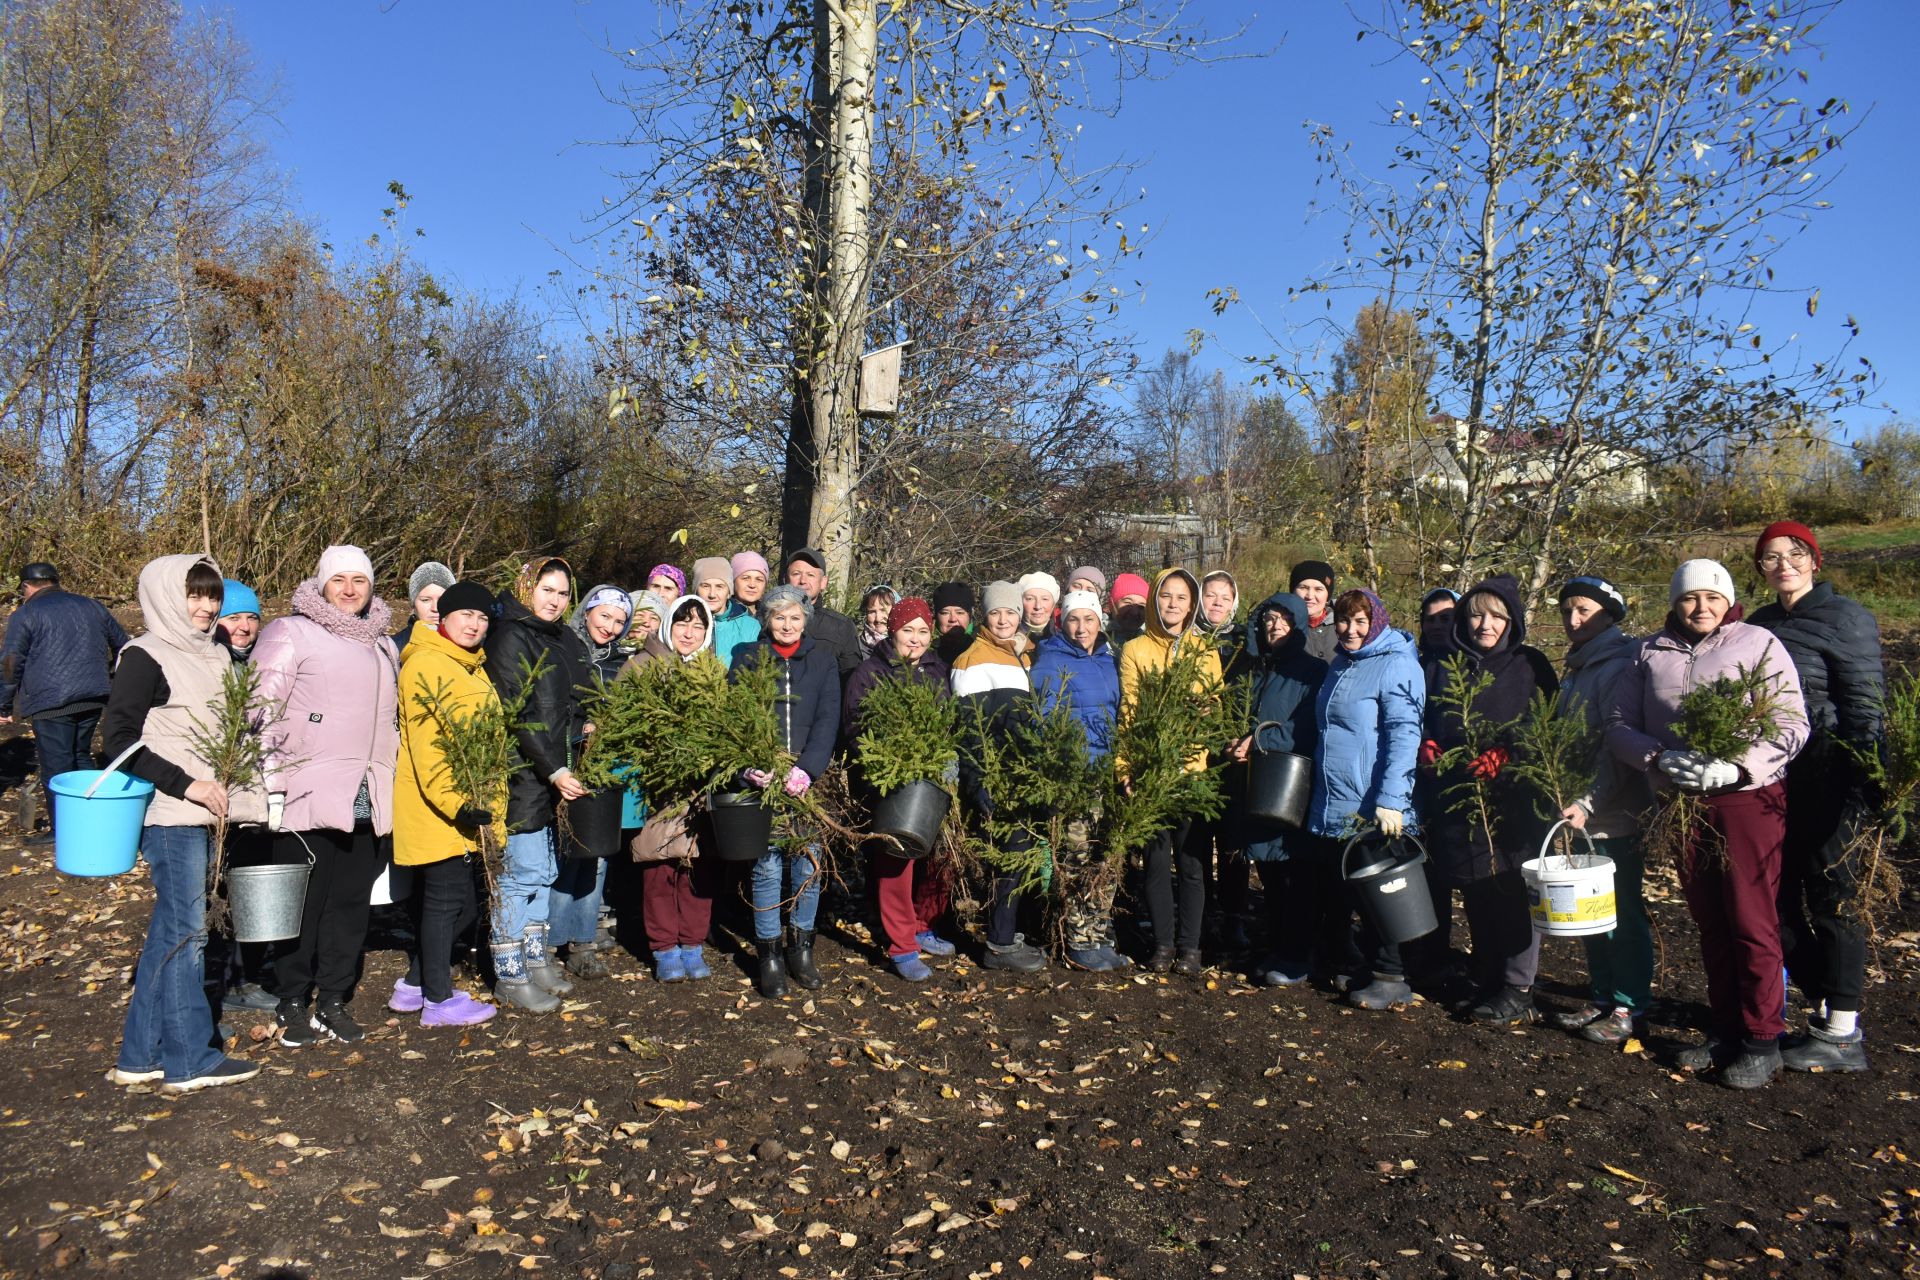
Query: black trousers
[[1176, 923], [1821, 935], [333, 925], [445, 906], [1309, 920], [63, 744]]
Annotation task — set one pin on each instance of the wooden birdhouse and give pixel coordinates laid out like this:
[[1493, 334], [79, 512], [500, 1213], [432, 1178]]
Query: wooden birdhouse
[[880, 380]]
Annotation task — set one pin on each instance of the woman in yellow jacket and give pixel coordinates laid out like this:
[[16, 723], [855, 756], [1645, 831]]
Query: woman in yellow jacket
[[434, 829], [1170, 633]]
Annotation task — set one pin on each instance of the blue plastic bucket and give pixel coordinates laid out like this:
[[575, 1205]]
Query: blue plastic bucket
[[97, 834]]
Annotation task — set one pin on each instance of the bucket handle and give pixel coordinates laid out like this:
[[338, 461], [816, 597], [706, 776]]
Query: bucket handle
[[1593, 850], [1257, 729], [112, 768], [1363, 833]]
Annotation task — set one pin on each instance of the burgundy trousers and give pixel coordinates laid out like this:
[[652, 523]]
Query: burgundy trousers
[[1732, 883], [912, 896], [676, 902]]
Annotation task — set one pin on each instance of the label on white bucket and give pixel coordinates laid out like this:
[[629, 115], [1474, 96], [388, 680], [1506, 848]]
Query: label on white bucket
[[1576, 903]]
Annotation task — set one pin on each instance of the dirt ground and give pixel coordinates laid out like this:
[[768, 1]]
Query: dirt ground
[[1065, 1125]]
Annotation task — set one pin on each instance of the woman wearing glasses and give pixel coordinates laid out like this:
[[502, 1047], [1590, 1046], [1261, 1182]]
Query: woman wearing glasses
[[1835, 646]]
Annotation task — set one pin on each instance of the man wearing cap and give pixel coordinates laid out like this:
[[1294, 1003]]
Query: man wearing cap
[[57, 664], [1312, 581], [832, 630]]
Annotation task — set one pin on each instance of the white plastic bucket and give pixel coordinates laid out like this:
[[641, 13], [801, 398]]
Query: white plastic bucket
[[1569, 895]]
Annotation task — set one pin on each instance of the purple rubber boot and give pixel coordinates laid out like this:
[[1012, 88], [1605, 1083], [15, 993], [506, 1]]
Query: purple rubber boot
[[457, 1010], [406, 997]]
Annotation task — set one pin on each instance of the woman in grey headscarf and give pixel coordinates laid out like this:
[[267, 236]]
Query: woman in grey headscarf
[[602, 621]]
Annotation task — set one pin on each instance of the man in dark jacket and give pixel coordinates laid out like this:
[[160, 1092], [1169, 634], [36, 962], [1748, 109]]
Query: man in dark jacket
[[58, 663], [831, 630]]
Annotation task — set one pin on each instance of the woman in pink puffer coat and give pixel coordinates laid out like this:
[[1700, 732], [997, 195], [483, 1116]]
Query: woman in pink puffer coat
[[1731, 876], [330, 675]]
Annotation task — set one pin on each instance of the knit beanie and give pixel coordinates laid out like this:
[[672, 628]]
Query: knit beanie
[[1788, 529], [706, 568], [906, 611], [1044, 581], [748, 562], [1311, 570], [1001, 594], [671, 572], [1601, 592], [645, 601], [1091, 574], [431, 573], [343, 559], [1082, 600], [238, 597], [465, 595], [1701, 575], [1128, 584], [783, 595], [953, 595]]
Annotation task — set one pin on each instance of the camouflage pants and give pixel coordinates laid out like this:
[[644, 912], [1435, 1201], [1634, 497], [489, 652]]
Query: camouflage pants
[[1087, 900]]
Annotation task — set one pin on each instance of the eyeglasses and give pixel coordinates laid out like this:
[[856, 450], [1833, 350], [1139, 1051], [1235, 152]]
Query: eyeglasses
[[1774, 559]]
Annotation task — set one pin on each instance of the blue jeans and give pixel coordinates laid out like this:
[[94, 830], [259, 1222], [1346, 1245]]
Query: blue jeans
[[169, 1023], [63, 743], [526, 880], [800, 873], [573, 909]]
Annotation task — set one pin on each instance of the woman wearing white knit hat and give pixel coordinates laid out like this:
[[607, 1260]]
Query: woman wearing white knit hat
[[1731, 874], [1039, 593]]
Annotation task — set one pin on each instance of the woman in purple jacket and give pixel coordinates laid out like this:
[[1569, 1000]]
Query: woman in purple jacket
[[1731, 876], [330, 676]]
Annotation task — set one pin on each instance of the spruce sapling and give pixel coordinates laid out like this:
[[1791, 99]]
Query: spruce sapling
[[1470, 793], [1722, 719], [909, 732], [1557, 754], [231, 744]]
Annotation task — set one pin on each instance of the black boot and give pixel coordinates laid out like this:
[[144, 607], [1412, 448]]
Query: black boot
[[772, 978], [800, 959]]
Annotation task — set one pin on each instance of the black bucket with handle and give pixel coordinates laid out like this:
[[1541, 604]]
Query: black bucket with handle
[[1279, 785], [1391, 884], [912, 814], [742, 825]]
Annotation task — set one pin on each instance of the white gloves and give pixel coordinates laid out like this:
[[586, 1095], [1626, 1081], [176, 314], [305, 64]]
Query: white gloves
[[1692, 771], [276, 811], [1391, 822]]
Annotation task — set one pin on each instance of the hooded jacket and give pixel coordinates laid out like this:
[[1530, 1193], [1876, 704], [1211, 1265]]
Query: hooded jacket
[[424, 798], [1286, 683], [1089, 683], [809, 706], [167, 685], [1156, 648], [516, 642], [1668, 664], [735, 631], [1835, 646], [1620, 794], [59, 650], [1518, 670], [1368, 714], [668, 833], [334, 680]]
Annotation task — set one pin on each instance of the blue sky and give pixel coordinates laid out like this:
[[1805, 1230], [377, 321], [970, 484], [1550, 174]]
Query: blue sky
[[489, 112]]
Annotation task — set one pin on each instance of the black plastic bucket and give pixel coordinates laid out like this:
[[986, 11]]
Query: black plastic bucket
[[742, 825], [912, 815], [1279, 787], [592, 828], [1391, 886]]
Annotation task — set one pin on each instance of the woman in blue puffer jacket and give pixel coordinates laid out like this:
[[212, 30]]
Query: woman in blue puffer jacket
[[1369, 715], [1076, 666]]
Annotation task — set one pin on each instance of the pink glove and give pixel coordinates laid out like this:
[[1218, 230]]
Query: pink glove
[[798, 781], [758, 777]]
